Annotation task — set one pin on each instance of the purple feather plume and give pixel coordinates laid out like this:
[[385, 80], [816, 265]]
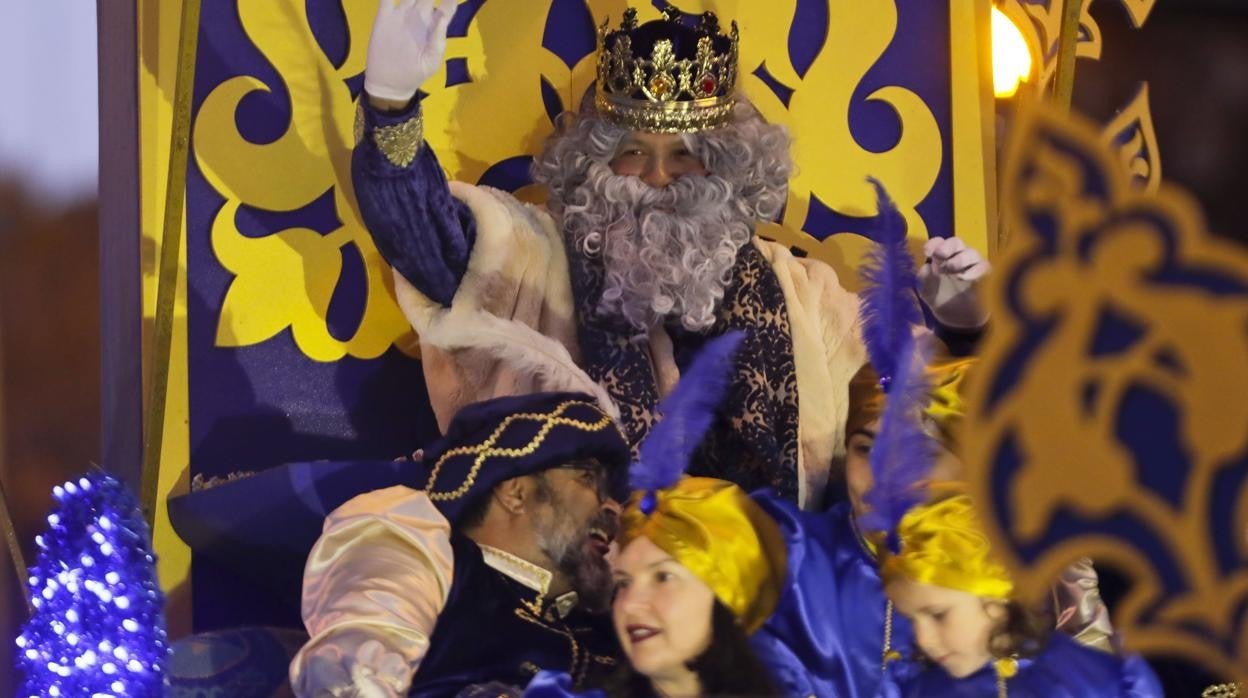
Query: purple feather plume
[[902, 454], [889, 307], [686, 414]]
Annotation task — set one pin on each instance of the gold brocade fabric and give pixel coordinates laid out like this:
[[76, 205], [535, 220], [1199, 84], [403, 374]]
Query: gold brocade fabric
[[943, 544], [723, 537]]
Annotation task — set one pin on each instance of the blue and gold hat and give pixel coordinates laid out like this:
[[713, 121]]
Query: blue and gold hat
[[495, 440]]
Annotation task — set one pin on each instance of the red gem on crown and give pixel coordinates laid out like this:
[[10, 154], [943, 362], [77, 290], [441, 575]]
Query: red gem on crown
[[708, 85]]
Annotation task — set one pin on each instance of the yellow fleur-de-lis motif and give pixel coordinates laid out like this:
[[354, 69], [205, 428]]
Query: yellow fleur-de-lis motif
[[287, 279], [831, 163], [1041, 24], [1132, 133], [1110, 392]]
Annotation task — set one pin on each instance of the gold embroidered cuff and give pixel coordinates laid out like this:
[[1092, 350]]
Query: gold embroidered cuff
[[399, 142]]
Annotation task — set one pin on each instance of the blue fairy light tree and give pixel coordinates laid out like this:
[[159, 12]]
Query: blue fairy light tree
[[98, 626]]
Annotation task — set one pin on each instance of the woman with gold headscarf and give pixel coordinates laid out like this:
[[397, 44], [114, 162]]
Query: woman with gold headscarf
[[700, 563]]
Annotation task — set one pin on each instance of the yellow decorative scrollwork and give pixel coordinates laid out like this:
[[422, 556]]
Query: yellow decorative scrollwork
[[1041, 24], [287, 279], [1132, 133], [831, 163], [1112, 300], [1138, 10]]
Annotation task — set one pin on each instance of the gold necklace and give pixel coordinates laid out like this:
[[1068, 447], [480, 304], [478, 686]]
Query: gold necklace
[[888, 654], [1004, 669]]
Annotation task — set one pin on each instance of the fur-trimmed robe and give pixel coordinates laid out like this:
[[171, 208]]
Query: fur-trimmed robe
[[511, 329]]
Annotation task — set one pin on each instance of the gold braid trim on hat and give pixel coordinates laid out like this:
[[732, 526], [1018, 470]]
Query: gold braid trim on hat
[[486, 448]]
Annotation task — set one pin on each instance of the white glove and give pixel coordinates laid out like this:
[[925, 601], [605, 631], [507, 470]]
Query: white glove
[[406, 47], [947, 283]]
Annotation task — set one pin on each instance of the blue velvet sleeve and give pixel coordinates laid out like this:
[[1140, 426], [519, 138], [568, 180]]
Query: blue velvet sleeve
[[419, 228]]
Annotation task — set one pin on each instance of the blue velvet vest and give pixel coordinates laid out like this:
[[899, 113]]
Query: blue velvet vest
[[494, 628]]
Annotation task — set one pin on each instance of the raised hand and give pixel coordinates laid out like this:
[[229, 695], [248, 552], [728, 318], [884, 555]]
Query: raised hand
[[947, 282], [406, 47]]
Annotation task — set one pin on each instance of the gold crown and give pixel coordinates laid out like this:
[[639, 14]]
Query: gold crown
[[667, 92]]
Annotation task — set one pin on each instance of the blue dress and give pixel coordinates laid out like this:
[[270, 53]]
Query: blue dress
[[1065, 669], [826, 636]]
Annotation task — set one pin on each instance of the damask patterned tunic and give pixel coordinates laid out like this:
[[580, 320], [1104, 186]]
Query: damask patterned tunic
[[503, 306]]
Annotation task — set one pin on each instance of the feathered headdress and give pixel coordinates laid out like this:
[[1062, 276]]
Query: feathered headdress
[[901, 456], [889, 309], [711, 527], [686, 414]]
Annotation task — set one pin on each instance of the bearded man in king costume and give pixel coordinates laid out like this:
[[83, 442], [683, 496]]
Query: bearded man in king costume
[[646, 248]]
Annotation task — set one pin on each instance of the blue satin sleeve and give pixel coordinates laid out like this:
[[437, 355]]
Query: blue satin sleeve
[[1065, 669], [1139, 680], [556, 684], [826, 637], [420, 229]]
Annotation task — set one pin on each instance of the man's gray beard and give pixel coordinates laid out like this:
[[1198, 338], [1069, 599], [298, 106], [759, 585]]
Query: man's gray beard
[[666, 252], [568, 547]]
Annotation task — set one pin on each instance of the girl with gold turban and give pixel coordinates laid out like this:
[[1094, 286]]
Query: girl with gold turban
[[974, 638], [834, 631], [700, 563]]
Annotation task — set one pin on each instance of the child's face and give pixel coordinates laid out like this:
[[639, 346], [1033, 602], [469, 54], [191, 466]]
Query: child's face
[[952, 628], [662, 611], [858, 477]]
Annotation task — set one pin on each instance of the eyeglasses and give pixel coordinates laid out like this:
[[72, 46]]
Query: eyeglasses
[[592, 474]]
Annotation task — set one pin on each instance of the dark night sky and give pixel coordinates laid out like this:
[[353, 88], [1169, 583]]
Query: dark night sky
[[1194, 55]]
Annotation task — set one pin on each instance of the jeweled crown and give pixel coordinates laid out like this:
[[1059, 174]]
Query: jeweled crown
[[666, 76]]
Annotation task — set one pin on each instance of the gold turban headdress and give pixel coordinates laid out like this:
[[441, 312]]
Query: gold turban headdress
[[716, 531], [665, 76], [709, 526], [946, 380], [943, 544]]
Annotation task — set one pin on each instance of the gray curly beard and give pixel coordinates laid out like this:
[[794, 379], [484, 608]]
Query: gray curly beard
[[666, 252]]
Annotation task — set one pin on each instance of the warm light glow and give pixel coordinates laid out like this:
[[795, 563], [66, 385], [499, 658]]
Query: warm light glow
[[1011, 60]]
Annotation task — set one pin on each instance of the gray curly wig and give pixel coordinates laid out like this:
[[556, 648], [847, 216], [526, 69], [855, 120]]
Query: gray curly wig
[[666, 252]]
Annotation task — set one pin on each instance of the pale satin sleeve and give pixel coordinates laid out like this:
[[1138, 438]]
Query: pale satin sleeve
[[373, 587], [1080, 611]]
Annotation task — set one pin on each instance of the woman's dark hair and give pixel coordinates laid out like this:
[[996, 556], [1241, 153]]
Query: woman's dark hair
[[1023, 632], [727, 668]]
